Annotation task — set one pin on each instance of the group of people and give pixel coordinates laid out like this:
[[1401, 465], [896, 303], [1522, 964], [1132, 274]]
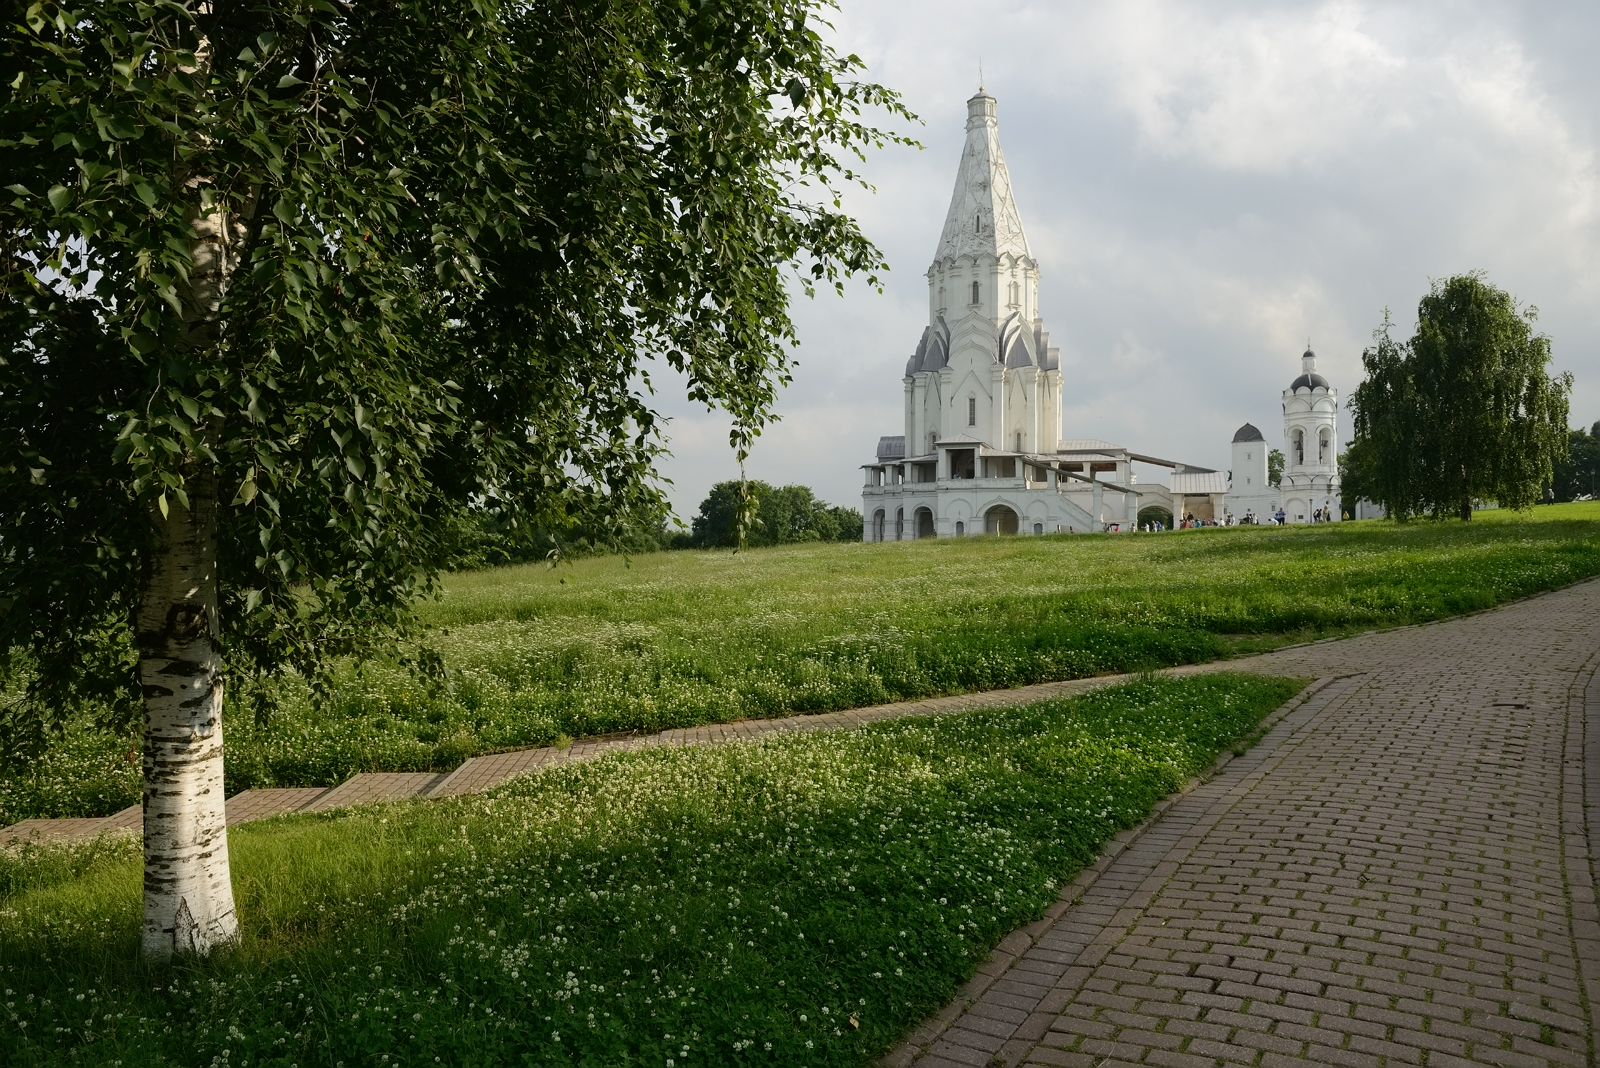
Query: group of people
[[1278, 518]]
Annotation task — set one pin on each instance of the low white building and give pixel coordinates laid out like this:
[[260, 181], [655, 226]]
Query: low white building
[[982, 450]]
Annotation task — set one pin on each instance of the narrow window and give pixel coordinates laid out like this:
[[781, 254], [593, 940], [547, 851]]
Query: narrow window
[[972, 411], [977, 223], [974, 292], [1019, 441]]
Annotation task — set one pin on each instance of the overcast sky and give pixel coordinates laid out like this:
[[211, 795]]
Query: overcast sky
[[1204, 186]]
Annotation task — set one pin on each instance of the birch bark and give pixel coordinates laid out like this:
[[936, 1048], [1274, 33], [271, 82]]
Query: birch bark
[[188, 891]]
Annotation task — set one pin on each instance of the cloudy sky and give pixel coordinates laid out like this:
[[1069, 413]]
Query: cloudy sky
[[1205, 186]]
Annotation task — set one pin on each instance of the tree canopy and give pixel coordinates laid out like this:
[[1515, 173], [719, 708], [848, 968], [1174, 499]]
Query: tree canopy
[[288, 286], [782, 515], [1464, 411]]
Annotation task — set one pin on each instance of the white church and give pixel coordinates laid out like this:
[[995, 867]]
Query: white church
[[982, 450]]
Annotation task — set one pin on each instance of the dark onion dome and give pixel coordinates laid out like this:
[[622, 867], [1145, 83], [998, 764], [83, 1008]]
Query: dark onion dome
[[1248, 433], [1309, 380]]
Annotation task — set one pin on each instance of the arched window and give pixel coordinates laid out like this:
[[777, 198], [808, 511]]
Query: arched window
[[1019, 441], [976, 293], [977, 223], [972, 411], [961, 528]]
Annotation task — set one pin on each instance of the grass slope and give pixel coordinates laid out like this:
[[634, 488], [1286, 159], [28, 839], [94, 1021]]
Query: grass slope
[[676, 639], [799, 900]]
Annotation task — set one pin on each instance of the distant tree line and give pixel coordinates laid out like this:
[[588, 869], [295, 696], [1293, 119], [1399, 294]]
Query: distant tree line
[[1578, 474], [783, 515]]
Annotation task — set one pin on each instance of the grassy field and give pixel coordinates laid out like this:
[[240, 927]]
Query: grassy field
[[799, 900], [673, 639]]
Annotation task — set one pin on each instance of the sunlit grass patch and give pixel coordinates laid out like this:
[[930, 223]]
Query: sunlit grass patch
[[801, 899]]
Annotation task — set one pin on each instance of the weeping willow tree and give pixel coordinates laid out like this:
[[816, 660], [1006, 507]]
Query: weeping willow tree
[[288, 285], [1464, 411]]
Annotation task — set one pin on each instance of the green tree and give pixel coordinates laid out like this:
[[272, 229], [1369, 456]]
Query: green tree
[[783, 515], [289, 285], [1466, 410], [1578, 473], [1274, 467], [1357, 475]]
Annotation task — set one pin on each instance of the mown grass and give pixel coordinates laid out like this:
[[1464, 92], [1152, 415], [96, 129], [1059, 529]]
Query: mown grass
[[677, 639], [798, 900]]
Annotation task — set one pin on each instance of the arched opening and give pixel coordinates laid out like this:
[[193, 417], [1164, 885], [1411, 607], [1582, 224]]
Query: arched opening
[[961, 528], [1299, 446], [1324, 443], [877, 525], [899, 524], [977, 294], [972, 411], [1038, 528], [1000, 520], [1154, 514], [924, 523]]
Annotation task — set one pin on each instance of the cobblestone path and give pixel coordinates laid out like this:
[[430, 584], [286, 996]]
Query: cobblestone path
[[1400, 873]]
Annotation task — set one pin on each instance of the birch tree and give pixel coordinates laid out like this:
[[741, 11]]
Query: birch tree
[[288, 286], [1465, 411]]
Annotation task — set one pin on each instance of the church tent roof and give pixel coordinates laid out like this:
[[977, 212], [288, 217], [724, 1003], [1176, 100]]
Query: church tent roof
[[983, 219]]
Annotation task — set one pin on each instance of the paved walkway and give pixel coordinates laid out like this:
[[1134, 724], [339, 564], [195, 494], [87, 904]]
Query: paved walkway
[[1400, 873]]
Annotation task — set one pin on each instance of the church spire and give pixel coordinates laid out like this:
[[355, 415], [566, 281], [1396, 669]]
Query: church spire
[[983, 218]]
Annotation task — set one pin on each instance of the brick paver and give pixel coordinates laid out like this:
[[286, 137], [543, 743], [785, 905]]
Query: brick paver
[[271, 801], [41, 830], [375, 786], [1402, 872]]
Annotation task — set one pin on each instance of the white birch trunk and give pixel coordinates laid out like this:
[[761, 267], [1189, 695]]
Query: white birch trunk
[[188, 892], [188, 889]]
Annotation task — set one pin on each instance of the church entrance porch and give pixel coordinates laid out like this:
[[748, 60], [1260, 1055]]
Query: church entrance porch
[[1000, 520]]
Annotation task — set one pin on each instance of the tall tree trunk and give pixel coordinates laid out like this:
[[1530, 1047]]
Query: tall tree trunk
[[188, 892], [188, 888]]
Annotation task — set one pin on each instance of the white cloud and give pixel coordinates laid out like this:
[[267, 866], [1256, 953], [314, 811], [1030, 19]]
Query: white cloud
[[1267, 91]]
